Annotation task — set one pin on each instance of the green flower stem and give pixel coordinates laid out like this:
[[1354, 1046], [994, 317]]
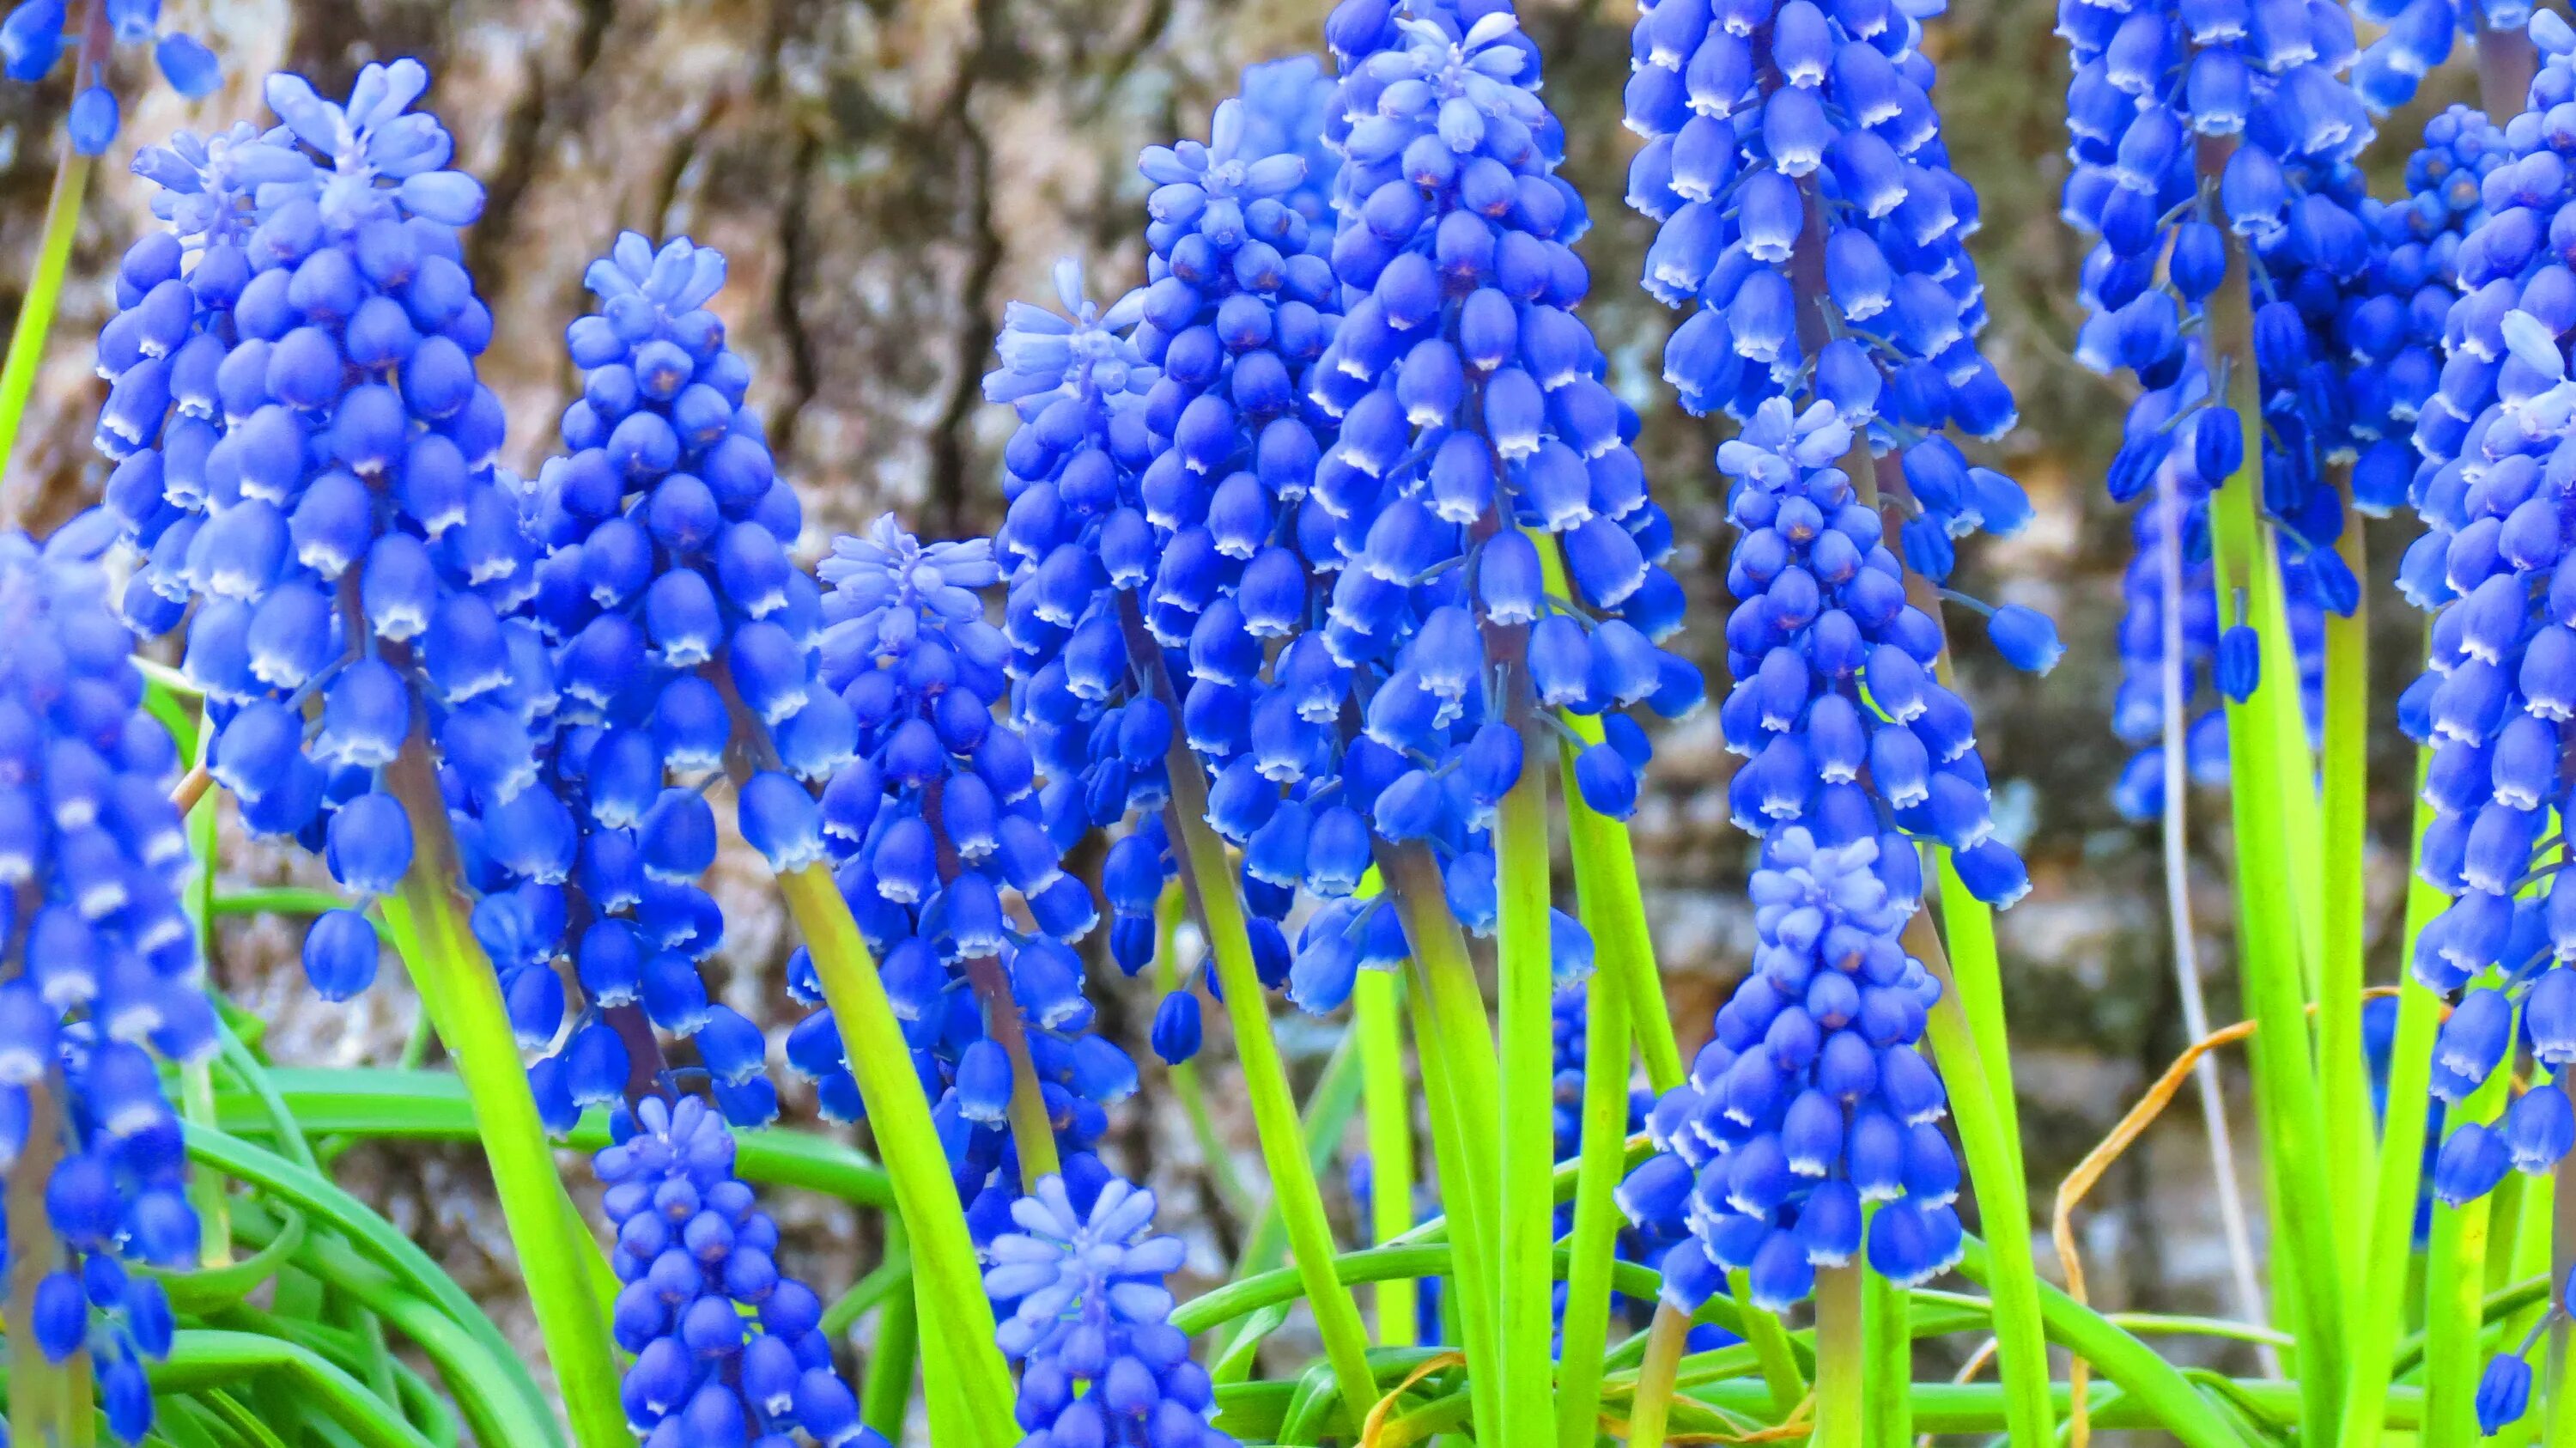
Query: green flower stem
[[1377, 1019], [1842, 1361], [2456, 1291], [1032, 1134], [2348, 1142], [2374, 1325], [2003, 1202], [1456, 1048], [1652, 1408], [1214, 893], [885, 1393], [1321, 1126], [1614, 910], [1586, 1332], [36, 313], [2270, 774], [1888, 1345], [1216, 1159], [458, 989], [1525, 991], [974, 1390], [1605, 870]]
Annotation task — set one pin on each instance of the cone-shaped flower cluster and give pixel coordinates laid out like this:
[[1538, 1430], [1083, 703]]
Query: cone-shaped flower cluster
[[304, 452], [34, 39], [1798, 146], [101, 964], [727, 1351], [2154, 88], [1814, 1097], [1079, 1290], [2499, 685], [676, 624], [1835, 705], [933, 829]]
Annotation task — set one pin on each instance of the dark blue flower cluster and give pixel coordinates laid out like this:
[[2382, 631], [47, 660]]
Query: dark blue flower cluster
[[1079, 1289], [1794, 164], [33, 39], [1844, 727], [933, 829], [304, 453], [728, 1352], [679, 631], [1814, 1098], [2499, 686], [2154, 87], [103, 964]]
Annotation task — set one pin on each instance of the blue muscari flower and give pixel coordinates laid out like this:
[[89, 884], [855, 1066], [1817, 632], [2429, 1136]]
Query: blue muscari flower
[[2504, 1392], [1744, 119], [2149, 85], [1078, 1286], [2499, 685], [34, 38], [1814, 1098], [92, 861], [304, 458], [931, 829], [1284, 107], [678, 630], [727, 1349], [1821, 612]]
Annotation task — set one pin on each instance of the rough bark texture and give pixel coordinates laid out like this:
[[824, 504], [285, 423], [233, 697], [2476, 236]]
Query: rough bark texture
[[885, 175]]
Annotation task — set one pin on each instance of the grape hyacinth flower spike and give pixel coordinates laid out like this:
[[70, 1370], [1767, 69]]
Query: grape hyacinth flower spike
[[935, 832], [1809, 218], [304, 457], [1813, 1099], [683, 641], [102, 975], [1079, 1288], [727, 1348]]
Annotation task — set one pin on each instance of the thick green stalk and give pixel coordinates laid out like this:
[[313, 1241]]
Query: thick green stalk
[[1455, 1046], [2349, 1141], [36, 313], [1586, 1333], [1887, 1397], [1377, 1016], [2265, 775], [2373, 1326], [1652, 1407], [974, 1392], [1605, 873], [1321, 1125], [885, 1393], [1210, 878], [1842, 1363], [1993, 1168], [1525, 991], [458, 989], [2456, 1296]]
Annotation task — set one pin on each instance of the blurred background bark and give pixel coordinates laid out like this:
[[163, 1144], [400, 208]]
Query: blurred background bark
[[885, 174]]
